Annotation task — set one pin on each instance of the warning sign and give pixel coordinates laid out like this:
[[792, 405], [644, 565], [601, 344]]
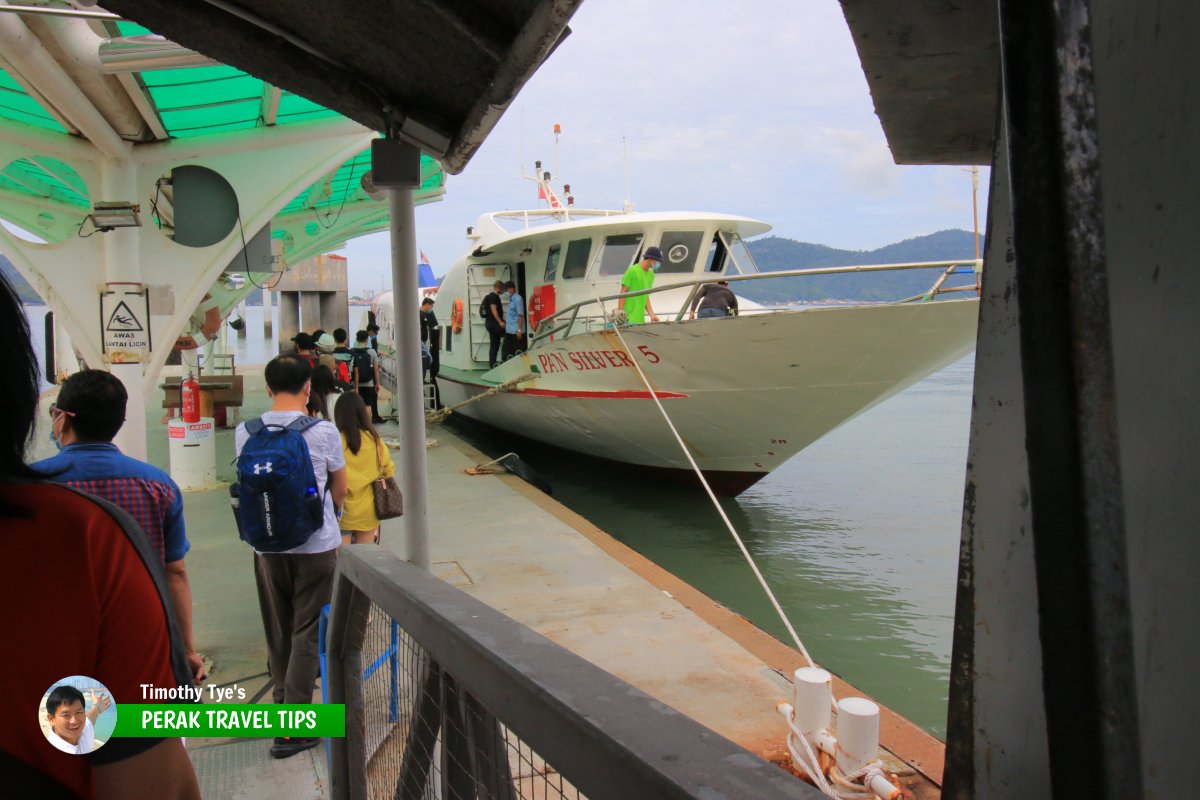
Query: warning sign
[[125, 322], [191, 431], [122, 319], [200, 430]]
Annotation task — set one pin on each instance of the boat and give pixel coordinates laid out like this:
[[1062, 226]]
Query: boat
[[381, 312], [746, 392]]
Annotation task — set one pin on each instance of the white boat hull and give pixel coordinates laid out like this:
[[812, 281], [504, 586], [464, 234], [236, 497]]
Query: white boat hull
[[746, 393]]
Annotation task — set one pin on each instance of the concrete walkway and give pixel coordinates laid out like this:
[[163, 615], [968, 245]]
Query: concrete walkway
[[524, 554]]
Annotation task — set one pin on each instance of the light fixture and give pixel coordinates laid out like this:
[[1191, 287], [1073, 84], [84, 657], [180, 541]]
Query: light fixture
[[367, 182], [106, 216]]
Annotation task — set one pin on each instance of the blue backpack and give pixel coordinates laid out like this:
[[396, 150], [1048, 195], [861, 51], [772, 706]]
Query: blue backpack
[[279, 505]]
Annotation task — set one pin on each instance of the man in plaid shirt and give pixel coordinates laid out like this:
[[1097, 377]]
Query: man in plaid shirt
[[89, 412]]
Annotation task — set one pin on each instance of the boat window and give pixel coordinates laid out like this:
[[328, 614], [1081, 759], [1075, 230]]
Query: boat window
[[619, 252], [680, 249], [552, 263], [715, 262], [740, 260], [576, 262]]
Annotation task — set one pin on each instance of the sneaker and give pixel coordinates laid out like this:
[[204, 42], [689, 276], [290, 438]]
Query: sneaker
[[288, 746]]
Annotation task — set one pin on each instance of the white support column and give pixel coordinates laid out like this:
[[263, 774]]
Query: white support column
[[268, 327], [410, 398], [122, 263]]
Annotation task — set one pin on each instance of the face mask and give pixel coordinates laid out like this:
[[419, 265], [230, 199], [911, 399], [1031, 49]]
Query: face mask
[[657, 266], [54, 439]]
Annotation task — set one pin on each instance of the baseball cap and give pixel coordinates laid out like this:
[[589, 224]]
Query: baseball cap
[[304, 341], [654, 253]]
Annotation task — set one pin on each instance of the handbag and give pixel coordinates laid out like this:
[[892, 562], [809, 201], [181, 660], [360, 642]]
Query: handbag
[[389, 502]]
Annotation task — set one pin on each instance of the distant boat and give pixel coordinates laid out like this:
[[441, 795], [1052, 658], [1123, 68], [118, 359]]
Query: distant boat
[[381, 313]]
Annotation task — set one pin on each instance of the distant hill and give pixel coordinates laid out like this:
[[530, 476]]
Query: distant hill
[[774, 254], [24, 290]]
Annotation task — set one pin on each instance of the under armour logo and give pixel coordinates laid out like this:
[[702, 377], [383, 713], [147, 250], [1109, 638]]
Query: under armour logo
[[262, 468]]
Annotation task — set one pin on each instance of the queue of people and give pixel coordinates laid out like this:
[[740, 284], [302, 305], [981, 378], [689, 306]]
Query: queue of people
[[106, 535], [120, 544]]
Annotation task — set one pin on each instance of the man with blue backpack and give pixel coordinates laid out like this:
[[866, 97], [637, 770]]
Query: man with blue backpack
[[291, 481]]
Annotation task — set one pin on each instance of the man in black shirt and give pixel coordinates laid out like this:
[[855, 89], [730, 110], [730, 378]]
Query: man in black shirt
[[431, 334], [714, 300], [493, 321]]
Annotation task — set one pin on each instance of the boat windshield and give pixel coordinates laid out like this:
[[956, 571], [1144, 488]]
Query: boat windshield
[[619, 252], [576, 263], [740, 261]]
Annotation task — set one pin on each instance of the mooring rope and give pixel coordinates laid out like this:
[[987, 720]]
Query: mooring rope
[[440, 414], [813, 767], [712, 496]]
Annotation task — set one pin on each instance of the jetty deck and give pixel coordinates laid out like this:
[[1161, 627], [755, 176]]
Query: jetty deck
[[519, 551]]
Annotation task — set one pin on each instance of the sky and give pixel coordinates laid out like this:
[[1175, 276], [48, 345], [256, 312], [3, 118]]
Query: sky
[[758, 108]]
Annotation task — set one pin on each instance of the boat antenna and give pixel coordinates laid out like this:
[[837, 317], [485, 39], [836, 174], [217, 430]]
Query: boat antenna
[[975, 214], [975, 205], [557, 166], [625, 159]]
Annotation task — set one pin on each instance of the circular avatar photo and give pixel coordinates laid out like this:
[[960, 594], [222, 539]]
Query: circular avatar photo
[[77, 714]]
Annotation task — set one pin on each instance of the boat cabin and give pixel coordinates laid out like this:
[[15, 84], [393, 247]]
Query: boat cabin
[[558, 261]]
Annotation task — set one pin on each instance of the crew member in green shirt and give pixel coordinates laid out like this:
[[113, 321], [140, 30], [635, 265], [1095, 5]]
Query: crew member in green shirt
[[640, 276]]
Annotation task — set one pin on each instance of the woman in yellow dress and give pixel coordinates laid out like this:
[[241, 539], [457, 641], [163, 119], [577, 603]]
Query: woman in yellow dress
[[367, 460]]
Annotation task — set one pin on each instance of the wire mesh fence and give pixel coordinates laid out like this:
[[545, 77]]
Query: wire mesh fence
[[426, 738], [448, 699]]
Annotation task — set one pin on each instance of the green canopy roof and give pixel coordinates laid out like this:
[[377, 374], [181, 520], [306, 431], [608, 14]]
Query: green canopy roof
[[46, 197]]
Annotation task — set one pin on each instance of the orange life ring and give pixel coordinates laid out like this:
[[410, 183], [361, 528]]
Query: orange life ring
[[456, 315]]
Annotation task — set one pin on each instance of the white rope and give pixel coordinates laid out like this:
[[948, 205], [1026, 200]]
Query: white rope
[[809, 761], [716, 504], [837, 784]]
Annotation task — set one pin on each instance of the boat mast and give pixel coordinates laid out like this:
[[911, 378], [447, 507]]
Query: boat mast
[[975, 214], [974, 205], [557, 166], [625, 160]]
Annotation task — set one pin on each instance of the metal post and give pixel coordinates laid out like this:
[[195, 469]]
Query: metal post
[[410, 403], [1088, 664]]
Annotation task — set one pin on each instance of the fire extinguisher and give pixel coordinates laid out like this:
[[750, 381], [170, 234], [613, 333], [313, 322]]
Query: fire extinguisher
[[191, 399]]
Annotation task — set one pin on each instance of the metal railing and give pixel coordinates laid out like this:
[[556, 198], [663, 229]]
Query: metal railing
[[568, 316], [448, 698]]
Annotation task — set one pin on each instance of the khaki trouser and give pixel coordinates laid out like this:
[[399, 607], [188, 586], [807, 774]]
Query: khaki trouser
[[292, 589]]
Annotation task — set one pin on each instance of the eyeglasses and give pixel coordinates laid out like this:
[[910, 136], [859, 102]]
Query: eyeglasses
[[56, 410]]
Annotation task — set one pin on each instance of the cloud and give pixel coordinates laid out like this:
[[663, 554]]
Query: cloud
[[758, 109]]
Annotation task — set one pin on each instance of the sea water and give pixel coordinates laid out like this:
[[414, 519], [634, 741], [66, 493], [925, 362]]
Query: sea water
[[858, 534]]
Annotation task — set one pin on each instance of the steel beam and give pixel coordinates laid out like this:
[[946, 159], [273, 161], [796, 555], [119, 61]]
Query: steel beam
[[1070, 400]]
